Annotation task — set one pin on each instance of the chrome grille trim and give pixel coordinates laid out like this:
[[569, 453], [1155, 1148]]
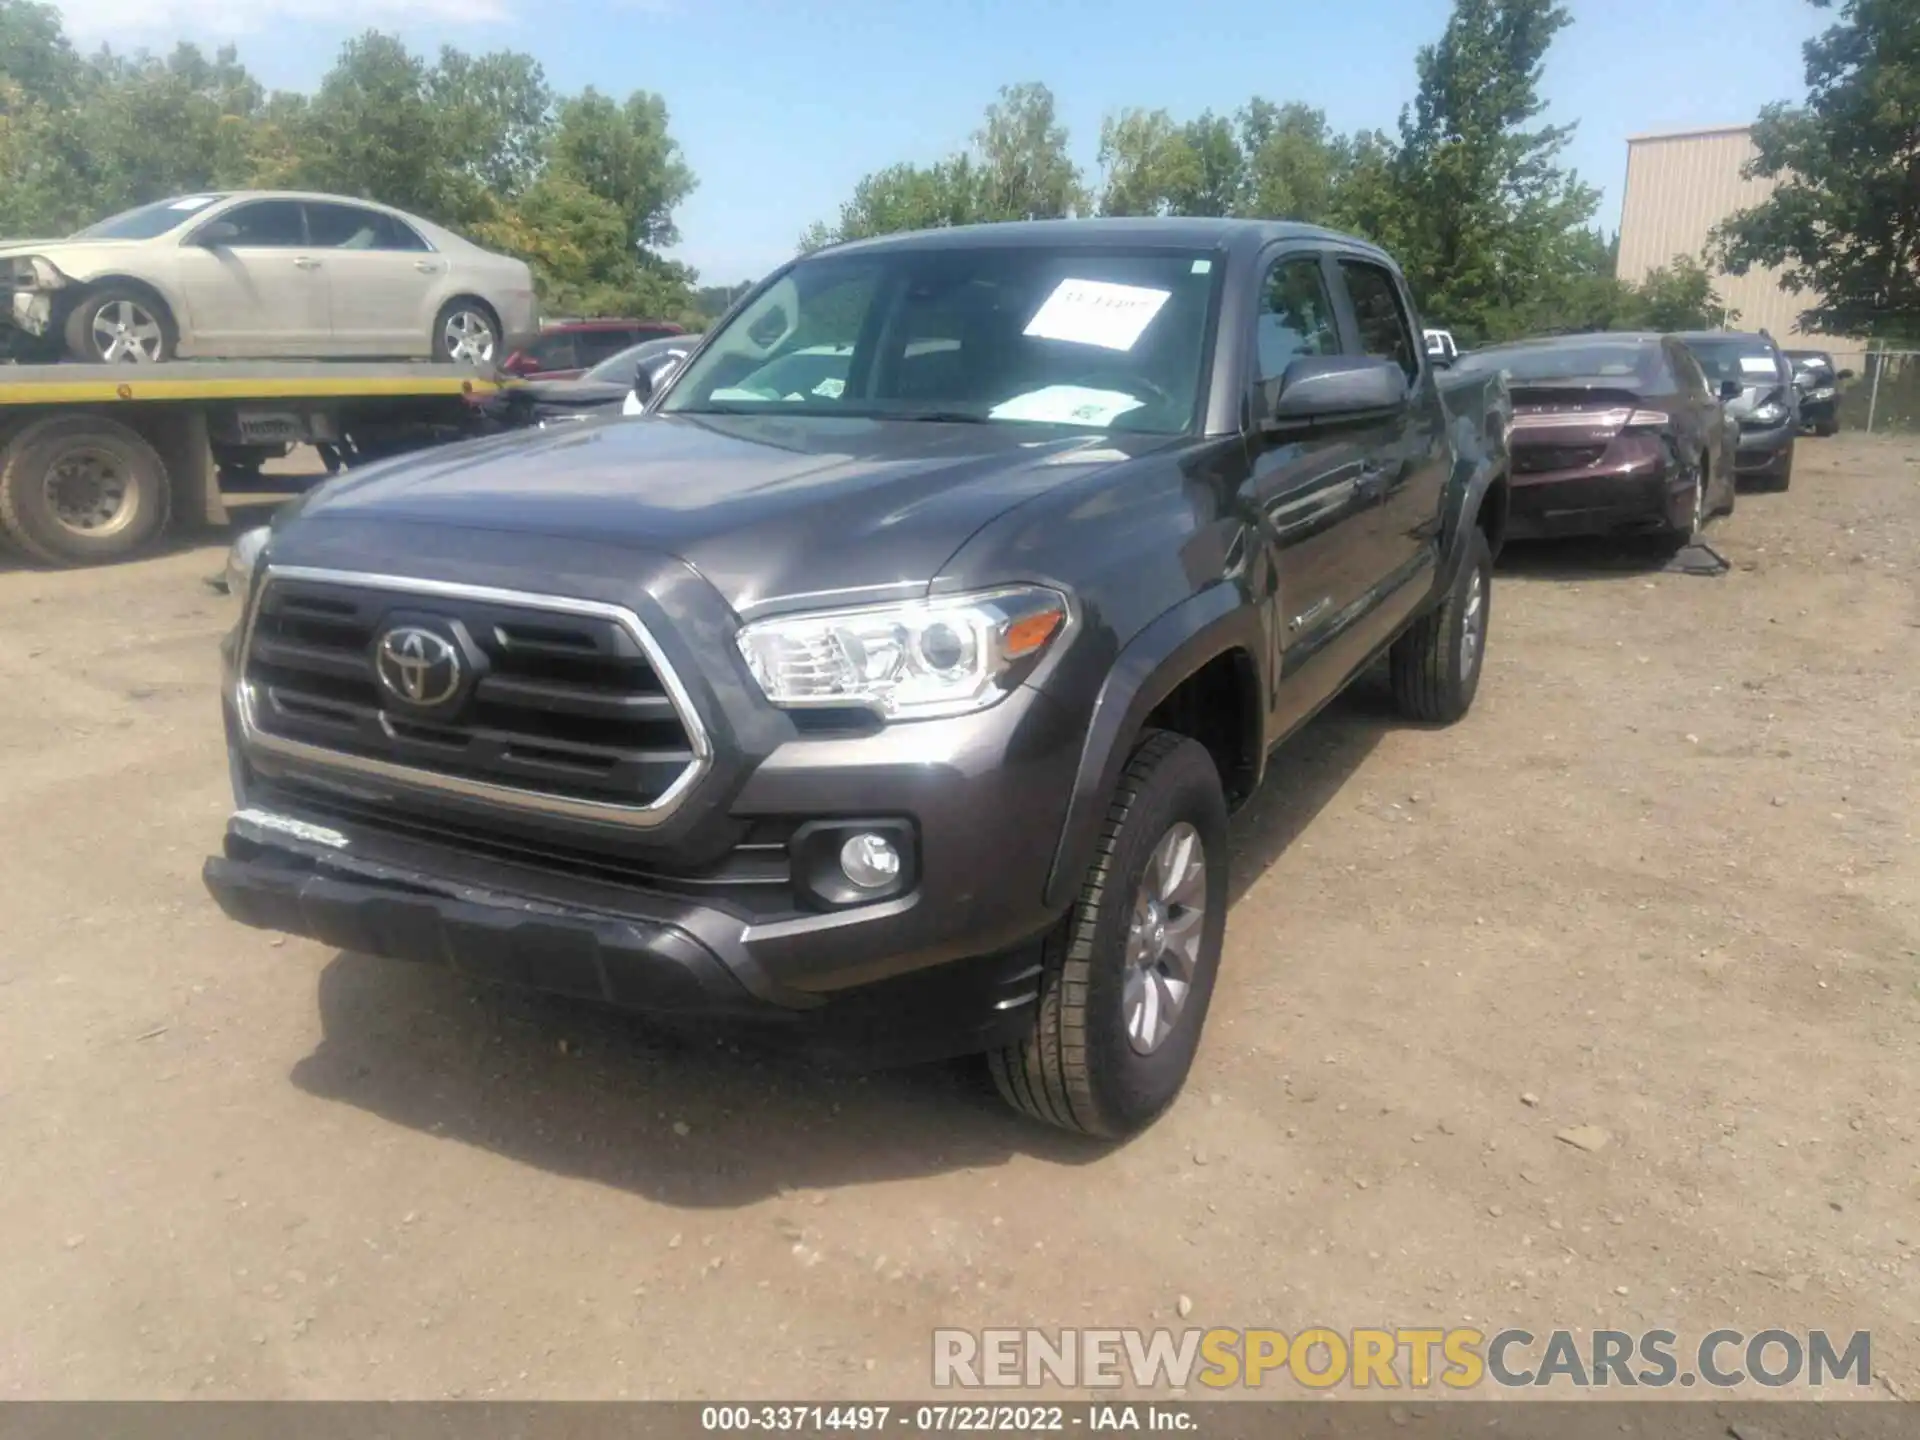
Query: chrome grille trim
[[631, 816]]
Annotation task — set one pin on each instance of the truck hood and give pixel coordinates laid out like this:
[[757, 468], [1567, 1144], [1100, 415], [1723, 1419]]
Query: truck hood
[[765, 507]]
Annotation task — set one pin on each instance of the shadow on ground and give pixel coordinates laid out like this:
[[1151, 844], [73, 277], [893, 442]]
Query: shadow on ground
[[588, 1093]]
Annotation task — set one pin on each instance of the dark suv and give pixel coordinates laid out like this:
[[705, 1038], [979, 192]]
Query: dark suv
[[902, 711]]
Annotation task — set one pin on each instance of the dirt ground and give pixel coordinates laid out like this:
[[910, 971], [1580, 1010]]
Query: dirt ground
[[1662, 881]]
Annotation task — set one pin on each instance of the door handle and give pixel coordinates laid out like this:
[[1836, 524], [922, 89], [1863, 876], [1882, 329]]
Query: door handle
[[303, 263], [426, 267]]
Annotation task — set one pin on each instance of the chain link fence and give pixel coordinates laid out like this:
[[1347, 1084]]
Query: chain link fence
[[1883, 395]]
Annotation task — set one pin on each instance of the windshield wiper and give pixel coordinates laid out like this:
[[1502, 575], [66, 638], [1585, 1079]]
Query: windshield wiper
[[930, 417]]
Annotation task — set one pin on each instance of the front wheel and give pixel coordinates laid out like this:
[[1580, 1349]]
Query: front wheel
[[465, 333], [1435, 665], [120, 325], [1128, 975]]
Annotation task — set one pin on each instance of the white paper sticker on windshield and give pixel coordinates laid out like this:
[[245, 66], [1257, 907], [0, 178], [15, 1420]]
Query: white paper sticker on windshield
[[191, 202], [830, 389], [1066, 405], [1096, 312], [1758, 365]]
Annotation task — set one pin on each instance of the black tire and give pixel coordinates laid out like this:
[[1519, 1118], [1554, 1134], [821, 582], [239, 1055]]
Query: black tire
[[48, 518], [1686, 522], [1827, 429], [476, 311], [1078, 1069], [1434, 679], [83, 336]]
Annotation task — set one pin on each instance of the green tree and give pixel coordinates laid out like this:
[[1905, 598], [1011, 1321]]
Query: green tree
[[372, 130], [624, 153], [1680, 296], [1484, 213], [1144, 161], [496, 113], [1294, 163], [906, 197], [1843, 223], [1026, 172]]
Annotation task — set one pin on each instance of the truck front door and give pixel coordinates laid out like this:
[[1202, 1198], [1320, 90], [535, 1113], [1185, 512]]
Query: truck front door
[[1305, 498]]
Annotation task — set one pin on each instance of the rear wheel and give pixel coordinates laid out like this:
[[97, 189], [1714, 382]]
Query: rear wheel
[[80, 490], [1780, 477], [1435, 666], [466, 333], [1128, 975], [120, 324]]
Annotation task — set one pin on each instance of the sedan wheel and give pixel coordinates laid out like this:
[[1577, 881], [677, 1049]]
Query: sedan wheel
[[467, 336], [125, 331]]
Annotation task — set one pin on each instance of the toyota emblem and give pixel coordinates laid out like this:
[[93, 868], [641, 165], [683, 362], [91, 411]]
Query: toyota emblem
[[418, 666]]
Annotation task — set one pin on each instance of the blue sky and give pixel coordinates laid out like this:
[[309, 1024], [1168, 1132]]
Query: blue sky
[[781, 105]]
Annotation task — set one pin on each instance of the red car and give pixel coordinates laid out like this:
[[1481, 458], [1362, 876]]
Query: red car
[[1613, 432], [565, 348]]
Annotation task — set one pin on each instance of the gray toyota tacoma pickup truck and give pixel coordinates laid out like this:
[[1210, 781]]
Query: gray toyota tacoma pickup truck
[[890, 681]]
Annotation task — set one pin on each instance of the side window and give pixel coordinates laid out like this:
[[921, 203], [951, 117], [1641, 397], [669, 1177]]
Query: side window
[[348, 227], [1296, 315], [597, 345], [1384, 332], [554, 352], [267, 222]]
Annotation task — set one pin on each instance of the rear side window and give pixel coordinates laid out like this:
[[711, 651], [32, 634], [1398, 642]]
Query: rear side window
[[349, 227], [267, 222], [1384, 331], [1296, 315]]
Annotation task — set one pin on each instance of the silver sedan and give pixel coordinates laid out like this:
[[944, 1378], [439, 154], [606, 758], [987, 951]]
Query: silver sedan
[[267, 275]]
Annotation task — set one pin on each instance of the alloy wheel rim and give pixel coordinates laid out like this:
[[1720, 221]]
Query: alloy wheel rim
[[126, 333], [468, 336], [90, 493], [1473, 628], [1163, 938], [1699, 500]]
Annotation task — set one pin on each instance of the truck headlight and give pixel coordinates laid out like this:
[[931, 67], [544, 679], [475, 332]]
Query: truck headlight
[[912, 661], [1771, 413], [243, 559]]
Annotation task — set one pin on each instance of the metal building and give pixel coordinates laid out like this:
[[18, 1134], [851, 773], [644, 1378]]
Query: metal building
[[1679, 186]]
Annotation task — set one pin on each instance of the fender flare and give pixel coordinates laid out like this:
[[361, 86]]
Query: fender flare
[[1482, 462], [1201, 628]]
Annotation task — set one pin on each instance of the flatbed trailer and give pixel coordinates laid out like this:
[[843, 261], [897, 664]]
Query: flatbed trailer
[[98, 462]]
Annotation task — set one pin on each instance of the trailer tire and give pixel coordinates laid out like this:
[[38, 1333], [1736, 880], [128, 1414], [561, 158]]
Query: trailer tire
[[82, 490]]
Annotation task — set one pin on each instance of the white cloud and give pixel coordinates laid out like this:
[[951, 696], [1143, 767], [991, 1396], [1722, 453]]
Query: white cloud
[[159, 22]]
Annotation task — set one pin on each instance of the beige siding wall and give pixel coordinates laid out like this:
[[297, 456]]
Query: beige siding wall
[[1678, 188]]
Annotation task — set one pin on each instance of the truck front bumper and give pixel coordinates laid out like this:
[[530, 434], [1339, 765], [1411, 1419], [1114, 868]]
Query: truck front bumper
[[649, 966]]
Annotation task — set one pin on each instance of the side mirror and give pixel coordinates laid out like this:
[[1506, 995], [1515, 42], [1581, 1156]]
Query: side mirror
[[1329, 389], [653, 372], [216, 233], [1731, 390]]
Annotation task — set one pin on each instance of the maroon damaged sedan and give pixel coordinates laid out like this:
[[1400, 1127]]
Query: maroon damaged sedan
[[1611, 434]]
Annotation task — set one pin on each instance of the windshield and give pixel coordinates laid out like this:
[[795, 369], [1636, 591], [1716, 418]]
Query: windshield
[[619, 367], [1616, 360], [1033, 334], [1751, 362], [148, 220]]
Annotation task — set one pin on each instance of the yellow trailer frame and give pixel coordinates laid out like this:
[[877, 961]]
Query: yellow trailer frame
[[155, 421]]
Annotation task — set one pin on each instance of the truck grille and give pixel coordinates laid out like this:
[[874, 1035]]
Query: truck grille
[[550, 704]]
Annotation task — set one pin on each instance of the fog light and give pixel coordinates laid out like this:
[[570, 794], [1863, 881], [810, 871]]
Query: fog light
[[870, 861]]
